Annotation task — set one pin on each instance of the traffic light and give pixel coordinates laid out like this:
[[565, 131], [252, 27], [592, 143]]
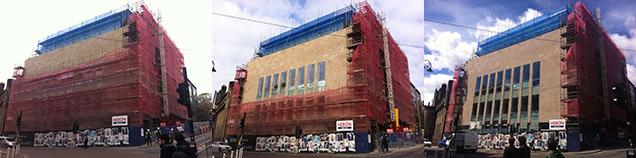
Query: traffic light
[[19, 120], [184, 94], [242, 124]]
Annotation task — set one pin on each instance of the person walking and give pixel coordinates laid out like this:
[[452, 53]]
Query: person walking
[[171, 135], [385, 143], [167, 149], [552, 146], [85, 142], [511, 151], [184, 146], [381, 144], [524, 150], [157, 133]]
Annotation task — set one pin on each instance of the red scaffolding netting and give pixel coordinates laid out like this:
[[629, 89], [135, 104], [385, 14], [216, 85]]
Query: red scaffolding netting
[[125, 81], [581, 70], [362, 101]]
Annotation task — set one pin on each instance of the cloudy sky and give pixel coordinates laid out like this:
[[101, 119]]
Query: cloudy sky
[[203, 36]]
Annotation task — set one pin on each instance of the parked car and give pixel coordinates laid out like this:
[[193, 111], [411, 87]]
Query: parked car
[[220, 146], [5, 142], [465, 142], [427, 142]]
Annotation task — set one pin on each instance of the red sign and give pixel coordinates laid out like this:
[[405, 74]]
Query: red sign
[[389, 131], [405, 129], [162, 124], [178, 123]]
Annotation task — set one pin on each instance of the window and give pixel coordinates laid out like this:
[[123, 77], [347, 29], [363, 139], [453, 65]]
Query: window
[[524, 104], [536, 74], [515, 105], [268, 80], [481, 111], [535, 103], [507, 80], [301, 81], [283, 82], [321, 76], [488, 111], [275, 85], [474, 112], [260, 89], [477, 81], [491, 84], [496, 110], [292, 82], [484, 84], [499, 80], [504, 109], [311, 72], [515, 79], [526, 75]]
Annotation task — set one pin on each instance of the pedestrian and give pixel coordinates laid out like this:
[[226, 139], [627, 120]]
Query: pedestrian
[[157, 133], [167, 149], [385, 143], [171, 135], [552, 146], [524, 150], [382, 144], [148, 137], [511, 151], [184, 146], [85, 142]]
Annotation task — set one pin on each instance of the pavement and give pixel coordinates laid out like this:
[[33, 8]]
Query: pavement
[[201, 138], [374, 153], [537, 152]]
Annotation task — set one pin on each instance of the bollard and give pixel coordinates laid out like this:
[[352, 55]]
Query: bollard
[[231, 154], [206, 152], [223, 155], [8, 152], [436, 153], [18, 152]]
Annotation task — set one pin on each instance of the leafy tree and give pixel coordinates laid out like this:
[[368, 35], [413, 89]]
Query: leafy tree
[[202, 111]]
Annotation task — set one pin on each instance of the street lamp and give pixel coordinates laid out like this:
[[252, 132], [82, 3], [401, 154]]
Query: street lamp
[[427, 66], [213, 70]]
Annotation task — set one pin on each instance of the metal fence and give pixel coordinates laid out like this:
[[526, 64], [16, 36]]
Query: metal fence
[[205, 151]]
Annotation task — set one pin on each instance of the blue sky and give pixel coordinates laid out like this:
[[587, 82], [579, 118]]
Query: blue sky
[[447, 46]]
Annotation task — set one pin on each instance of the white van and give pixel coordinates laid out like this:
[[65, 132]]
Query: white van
[[465, 142]]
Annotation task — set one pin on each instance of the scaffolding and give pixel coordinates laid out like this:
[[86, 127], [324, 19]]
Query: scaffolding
[[96, 26], [363, 100], [324, 25], [590, 68], [525, 31], [124, 81]]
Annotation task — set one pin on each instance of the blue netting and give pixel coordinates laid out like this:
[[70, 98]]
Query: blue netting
[[96, 26], [528, 30], [322, 26]]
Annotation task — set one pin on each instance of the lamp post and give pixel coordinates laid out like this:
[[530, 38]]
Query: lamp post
[[213, 111], [427, 67]]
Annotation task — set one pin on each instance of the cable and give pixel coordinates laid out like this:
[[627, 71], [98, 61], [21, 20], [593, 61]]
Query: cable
[[279, 25], [537, 38]]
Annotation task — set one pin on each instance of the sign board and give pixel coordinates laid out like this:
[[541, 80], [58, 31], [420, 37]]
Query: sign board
[[397, 118], [346, 125], [557, 124], [231, 121], [178, 123], [389, 131], [162, 124], [405, 129], [120, 120]]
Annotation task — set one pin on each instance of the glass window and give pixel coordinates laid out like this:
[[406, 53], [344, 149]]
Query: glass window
[[275, 85], [535, 103], [496, 110], [484, 83], [477, 81], [515, 105], [499, 79], [260, 89], [292, 82], [283, 82], [301, 81], [507, 79], [526, 76], [515, 79], [311, 72], [536, 70], [321, 76], [504, 109], [491, 84], [473, 112], [268, 81], [524, 104], [481, 109], [488, 110]]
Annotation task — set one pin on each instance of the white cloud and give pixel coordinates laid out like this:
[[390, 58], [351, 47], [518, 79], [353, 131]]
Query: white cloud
[[630, 22], [627, 43], [495, 24], [631, 73], [448, 49]]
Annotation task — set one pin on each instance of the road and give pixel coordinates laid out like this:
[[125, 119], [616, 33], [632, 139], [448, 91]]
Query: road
[[607, 153]]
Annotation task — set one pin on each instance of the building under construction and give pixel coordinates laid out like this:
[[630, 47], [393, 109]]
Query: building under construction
[[341, 66], [552, 75], [120, 63]]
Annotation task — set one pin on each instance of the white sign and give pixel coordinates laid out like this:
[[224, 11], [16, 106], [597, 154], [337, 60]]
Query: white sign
[[120, 120], [346, 125], [558, 124]]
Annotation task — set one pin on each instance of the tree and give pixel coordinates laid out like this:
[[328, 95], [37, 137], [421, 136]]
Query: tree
[[202, 111]]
